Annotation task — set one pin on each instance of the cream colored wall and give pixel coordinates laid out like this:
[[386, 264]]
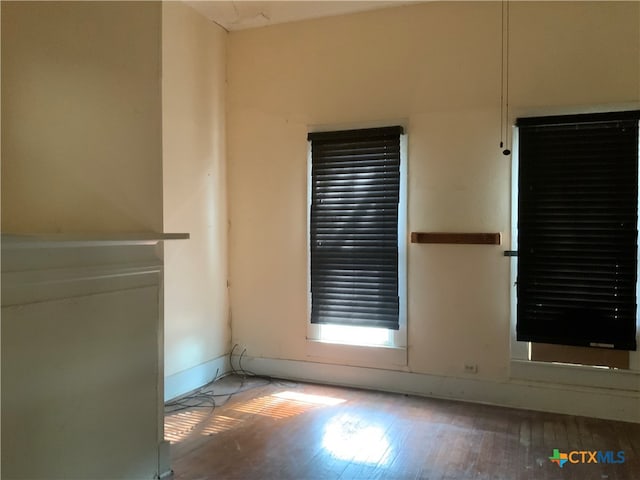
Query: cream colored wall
[[81, 115], [194, 170], [436, 68]]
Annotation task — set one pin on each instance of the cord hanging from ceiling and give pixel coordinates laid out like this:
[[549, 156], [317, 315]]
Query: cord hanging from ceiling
[[504, 79]]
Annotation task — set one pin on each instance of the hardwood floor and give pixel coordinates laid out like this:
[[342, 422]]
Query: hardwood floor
[[284, 430]]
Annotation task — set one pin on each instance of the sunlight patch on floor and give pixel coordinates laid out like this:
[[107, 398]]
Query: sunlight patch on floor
[[219, 424], [179, 425], [274, 407], [352, 438], [286, 404], [308, 398]]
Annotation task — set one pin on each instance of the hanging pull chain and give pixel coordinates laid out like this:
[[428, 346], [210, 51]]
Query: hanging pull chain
[[504, 79]]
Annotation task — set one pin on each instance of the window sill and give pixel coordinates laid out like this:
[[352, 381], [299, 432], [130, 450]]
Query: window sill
[[579, 375], [377, 356]]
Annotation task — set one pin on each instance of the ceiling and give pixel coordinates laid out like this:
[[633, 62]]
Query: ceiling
[[241, 14]]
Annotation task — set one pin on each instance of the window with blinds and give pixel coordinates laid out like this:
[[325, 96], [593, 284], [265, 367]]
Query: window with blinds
[[577, 230], [355, 192]]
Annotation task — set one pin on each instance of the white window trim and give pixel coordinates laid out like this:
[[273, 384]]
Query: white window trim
[[522, 367], [393, 349]]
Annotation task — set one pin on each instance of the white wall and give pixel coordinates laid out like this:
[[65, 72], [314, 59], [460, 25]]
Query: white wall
[[81, 115], [197, 330], [436, 68]]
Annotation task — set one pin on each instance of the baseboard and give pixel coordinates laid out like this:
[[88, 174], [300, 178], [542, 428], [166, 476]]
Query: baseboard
[[195, 377], [548, 397]]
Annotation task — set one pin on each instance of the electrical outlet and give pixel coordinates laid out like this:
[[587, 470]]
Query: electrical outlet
[[470, 367]]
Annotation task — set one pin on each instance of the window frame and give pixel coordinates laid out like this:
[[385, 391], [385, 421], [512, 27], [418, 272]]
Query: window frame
[[395, 339]]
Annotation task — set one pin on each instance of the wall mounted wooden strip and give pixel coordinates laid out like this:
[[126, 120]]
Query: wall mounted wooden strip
[[456, 238]]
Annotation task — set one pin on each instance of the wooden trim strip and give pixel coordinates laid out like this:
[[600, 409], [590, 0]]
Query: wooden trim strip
[[73, 240], [457, 238]]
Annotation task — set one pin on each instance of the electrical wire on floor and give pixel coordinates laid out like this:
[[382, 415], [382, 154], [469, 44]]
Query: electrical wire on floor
[[205, 396], [249, 374], [196, 399]]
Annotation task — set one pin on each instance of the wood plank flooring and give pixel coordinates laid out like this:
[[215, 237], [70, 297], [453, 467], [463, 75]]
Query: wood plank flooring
[[283, 430]]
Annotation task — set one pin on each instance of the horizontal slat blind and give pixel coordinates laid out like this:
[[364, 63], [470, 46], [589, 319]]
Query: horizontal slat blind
[[355, 182], [577, 230]]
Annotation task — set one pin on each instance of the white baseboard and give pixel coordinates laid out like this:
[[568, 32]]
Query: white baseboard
[[603, 403], [195, 377]]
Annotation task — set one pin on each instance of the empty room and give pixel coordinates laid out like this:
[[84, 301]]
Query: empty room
[[320, 240]]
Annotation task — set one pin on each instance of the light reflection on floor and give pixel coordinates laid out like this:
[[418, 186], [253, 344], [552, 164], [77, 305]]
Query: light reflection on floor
[[179, 425], [285, 404], [352, 438], [308, 398], [346, 436], [219, 424]]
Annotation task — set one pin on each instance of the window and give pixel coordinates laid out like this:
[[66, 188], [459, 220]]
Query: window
[[353, 231], [577, 230]]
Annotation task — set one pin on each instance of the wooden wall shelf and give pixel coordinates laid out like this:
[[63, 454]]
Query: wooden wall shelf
[[456, 238]]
